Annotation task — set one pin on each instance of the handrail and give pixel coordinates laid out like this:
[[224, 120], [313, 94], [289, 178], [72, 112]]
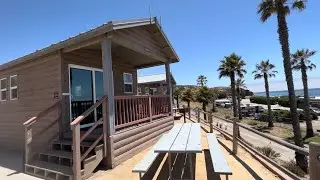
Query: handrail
[[41, 114], [274, 139], [88, 111], [138, 96]]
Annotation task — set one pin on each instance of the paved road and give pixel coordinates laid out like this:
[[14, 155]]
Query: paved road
[[258, 141]]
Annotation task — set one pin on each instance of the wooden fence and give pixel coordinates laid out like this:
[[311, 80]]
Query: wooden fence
[[131, 110]]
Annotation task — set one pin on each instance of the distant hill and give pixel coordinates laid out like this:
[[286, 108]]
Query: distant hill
[[222, 89]]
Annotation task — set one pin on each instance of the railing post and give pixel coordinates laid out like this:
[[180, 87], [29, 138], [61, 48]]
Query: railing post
[[184, 114], [76, 152], [210, 121], [198, 115], [150, 108], [235, 137], [314, 160], [105, 121], [28, 140]]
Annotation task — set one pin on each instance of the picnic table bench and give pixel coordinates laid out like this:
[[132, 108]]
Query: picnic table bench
[[144, 165], [219, 163]]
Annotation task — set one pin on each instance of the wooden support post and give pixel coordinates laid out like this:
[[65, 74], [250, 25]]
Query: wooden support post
[[108, 87], [235, 139], [169, 86], [150, 108], [211, 123], [314, 160], [198, 116], [105, 121], [76, 152]]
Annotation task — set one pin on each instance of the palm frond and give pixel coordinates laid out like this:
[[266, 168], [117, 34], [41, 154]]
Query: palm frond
[[266, 9], [299, 5]]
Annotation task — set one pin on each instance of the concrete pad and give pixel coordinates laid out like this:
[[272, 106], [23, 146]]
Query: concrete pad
[[11, 166]]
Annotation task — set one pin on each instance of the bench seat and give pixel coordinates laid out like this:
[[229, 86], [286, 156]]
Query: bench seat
[[219, 163], [144, 165]]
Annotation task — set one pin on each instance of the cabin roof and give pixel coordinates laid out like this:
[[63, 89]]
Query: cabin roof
[[103, 29], [153, 78]]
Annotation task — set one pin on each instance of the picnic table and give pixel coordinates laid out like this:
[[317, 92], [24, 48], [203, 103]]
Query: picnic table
[[182, 138]]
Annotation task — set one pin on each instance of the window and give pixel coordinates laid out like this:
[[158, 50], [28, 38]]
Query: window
[[146, 90], [3, 89], [152, 91], [13, 87], [139, 90], [128, 82]]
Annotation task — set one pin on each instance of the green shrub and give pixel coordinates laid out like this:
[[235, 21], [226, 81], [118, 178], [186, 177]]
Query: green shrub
[[284, 101], [292, 167], [263, 100], [269, 152]]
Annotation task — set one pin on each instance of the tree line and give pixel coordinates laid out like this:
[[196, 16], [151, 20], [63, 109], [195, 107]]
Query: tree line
[[233, 67]]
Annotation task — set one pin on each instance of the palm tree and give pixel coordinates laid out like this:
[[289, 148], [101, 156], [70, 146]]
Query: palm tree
[[240, 85], [203, 96], [214, 94], [187, 96], [177, 94], [300, 62], [265, 70], [202, 80], [229, 67], [281, 8]]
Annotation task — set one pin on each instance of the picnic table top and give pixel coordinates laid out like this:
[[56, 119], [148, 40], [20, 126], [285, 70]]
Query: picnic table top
[[182, 138]]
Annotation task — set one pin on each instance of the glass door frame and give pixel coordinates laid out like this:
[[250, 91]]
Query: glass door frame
[[93, 74]]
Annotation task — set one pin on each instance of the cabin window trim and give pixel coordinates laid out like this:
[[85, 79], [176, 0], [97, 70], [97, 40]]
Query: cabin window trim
[[127, 82], [3, 89], [13, 87]]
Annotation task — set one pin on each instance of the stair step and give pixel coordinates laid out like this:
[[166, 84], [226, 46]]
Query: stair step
[[67, 142], [59, 169], [61, 154]]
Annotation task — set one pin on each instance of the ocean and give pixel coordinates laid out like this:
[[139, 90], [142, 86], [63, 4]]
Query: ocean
[[299, 92]]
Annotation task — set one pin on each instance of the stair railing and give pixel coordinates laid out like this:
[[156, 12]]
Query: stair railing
[[77, 138], [31, 134]]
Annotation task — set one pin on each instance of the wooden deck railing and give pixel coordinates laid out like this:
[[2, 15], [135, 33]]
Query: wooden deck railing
[[131, 110], [77, 138], [33, 134]]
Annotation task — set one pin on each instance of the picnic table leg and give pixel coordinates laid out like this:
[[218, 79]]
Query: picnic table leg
[[189, 155], [169, 161]]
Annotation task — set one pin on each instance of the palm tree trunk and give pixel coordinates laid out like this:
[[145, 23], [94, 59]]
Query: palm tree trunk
[[213, 105], [239, 103], [266, 85], [306, 102], [188, 104], [233, 94], [301, 159]]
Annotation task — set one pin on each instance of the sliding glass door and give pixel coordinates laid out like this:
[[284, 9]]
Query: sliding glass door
[[86, 88]]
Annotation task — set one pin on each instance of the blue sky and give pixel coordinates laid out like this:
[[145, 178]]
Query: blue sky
[[202, 32]]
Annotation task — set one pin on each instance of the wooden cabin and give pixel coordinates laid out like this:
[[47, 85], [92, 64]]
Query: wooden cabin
[[155, 84], [74, 105]]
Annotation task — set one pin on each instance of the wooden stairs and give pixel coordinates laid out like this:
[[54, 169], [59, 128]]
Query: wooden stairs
[[56, 162]]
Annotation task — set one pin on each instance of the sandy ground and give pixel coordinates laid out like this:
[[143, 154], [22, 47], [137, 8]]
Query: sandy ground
[[243, 166]]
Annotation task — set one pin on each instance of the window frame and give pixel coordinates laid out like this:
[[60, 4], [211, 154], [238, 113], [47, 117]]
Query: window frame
[[127, 83], [3, 89], [146, 90], [14, 87], [139, 90]]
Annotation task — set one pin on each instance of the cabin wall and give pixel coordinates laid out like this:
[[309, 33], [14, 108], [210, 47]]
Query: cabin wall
[[128, 143], [38, 89], [161, 88]]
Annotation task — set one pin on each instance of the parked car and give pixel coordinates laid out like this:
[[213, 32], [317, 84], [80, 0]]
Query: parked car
[[315, 110]]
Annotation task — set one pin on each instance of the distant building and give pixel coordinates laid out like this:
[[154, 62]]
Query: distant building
[[154, 84]]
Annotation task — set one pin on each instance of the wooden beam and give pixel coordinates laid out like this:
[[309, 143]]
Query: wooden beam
[[89, 42], [108, 87]]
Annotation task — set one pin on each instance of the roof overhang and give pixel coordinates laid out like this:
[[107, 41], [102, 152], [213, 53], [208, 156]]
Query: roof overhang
[[96, 33]]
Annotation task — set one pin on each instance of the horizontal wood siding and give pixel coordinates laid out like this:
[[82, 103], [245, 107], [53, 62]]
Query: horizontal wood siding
[[129, 143], [38, 82]]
